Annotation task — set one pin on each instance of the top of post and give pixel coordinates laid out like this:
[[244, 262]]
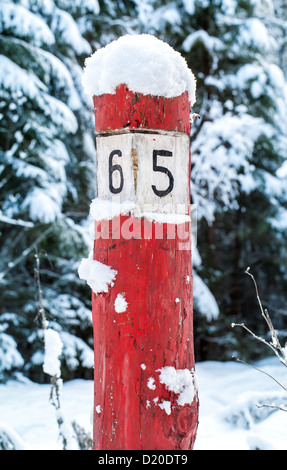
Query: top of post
[[143, 63], [131, 74]]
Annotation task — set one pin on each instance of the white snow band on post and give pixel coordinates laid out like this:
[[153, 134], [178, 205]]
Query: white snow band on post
[[143, 321]]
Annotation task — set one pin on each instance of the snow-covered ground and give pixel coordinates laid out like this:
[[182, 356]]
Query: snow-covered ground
[[229, 416]]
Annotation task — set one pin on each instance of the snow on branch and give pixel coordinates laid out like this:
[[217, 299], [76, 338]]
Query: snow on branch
[[52, 366], [53, 350]]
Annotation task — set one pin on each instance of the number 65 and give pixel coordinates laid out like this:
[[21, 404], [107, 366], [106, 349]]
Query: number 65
[[155, 167]]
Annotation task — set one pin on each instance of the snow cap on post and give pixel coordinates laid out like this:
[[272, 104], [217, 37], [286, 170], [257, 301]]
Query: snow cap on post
[[139, 81], [143, 63]]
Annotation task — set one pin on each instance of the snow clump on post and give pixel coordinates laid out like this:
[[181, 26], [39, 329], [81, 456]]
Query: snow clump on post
[[97, 275], [143, 63]]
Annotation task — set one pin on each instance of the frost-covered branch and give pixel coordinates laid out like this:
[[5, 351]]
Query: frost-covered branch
[[275, 345], [9, 439], [273, 406], [52, 365], [262, 340], [10, 221], [265, 314], [262, 372], [41, 311]]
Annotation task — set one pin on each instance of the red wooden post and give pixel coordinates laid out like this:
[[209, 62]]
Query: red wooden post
[[145, 394]]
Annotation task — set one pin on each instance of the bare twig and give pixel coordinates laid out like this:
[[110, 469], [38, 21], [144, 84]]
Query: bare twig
[[277, 407], [56, 384], [41, 311], [262, 371], [274, 344], [262, 340], [266, 316]]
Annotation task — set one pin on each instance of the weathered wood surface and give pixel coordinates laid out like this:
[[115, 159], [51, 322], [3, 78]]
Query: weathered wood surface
[[156, 330], [143, 156], [129, 110]]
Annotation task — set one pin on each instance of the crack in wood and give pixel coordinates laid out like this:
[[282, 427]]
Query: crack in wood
[[135, 166]]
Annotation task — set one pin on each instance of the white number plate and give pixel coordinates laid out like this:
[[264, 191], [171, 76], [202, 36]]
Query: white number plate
[[151, 170]]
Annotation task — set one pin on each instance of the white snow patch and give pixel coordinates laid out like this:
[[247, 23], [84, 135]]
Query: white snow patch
[[76, 351], [165, 218], [66, 29], [42, 205], [144, 63], [143, 366], [229, 418], [165, 405], [204, 299], [98, 276], [98, 409], [254, 33], [282, 171], [189, 6], [9, 355], [53, 349], [212, 44], [18, 21], [151, 384], [120, 304], [179, 381], [101, 209]]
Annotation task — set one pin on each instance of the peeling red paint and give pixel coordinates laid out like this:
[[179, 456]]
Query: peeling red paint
[[129, 110], [156, 330]]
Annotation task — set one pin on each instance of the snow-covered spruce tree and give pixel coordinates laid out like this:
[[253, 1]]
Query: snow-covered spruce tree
[[47, 168], [277, 25], [238, 152]]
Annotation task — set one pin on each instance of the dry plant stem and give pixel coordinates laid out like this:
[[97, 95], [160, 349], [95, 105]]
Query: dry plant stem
[[271, 377], [263, 372], [55, 381], [275, 344], [41, 310], [272, 406], [55, 393], [262, 340], [266, 316], [55, 401]]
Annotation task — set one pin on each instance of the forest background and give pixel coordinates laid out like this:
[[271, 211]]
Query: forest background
[[237, 49]]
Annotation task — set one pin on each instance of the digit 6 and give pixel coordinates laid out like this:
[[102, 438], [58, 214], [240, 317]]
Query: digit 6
[[112, 169]]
